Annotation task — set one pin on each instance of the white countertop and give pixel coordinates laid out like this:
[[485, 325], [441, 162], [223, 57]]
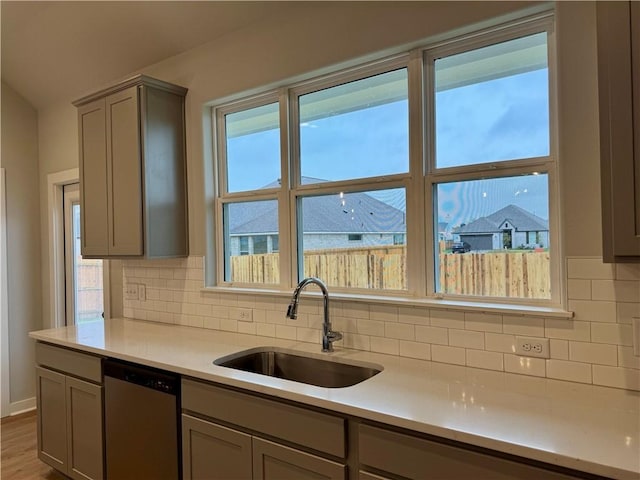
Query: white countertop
[[584, 427]]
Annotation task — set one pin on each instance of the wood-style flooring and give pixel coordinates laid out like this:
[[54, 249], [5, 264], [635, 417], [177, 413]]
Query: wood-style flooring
[[18, 459]]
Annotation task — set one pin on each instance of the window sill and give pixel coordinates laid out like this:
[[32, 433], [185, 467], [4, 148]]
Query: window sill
[[398, 301]]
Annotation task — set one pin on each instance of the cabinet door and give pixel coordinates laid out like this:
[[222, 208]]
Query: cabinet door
[[619, 92], [277, 462], [93, 179], [211, 451], [84, 429], [52, 425], [124, 173]]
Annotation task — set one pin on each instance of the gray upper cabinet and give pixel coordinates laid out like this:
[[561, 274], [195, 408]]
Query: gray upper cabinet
[[133, 188], [618, 26]]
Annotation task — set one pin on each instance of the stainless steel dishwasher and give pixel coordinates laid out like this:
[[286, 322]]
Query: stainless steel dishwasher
[[142, 420]]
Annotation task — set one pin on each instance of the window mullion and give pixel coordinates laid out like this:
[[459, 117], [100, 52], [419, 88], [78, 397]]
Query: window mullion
[[417, 241], [287, 228]]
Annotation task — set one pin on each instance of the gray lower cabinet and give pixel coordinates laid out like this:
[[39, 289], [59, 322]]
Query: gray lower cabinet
[[213, 451], [272, 461], [406, 456], [69, 426]]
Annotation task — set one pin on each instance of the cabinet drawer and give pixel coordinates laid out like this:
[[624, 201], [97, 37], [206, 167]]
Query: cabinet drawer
[[321, 432], [69, 361], [414, 457]]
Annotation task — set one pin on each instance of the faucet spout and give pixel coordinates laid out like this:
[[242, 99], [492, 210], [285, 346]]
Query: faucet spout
[[328, 336]]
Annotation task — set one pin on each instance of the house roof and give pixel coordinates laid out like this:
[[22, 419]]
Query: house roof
[[361, 213], [521, 220]]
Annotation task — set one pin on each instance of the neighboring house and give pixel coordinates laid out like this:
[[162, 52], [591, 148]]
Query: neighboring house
[[328, 221], [509, 227]]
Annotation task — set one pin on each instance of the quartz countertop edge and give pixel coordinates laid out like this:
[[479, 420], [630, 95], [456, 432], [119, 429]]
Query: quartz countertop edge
[[552, 421]]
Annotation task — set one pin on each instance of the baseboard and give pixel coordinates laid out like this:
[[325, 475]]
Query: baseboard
[[16, 408]]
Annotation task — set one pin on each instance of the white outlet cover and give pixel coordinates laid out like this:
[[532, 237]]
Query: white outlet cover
[[241, 314], [532, 347], [131, 291]]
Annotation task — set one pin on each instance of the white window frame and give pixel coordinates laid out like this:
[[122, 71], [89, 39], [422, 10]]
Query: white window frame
[[500, 168], [418, 182]]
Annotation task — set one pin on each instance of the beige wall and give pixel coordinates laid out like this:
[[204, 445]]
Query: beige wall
[[20, 161]]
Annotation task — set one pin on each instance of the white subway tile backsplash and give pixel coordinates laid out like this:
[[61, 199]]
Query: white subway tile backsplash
[[529, 326], [370, 327], [593, 347], [499, 342], [385, 313], [616, 377], [400, 331], [593, 353], [593, 311], [286, 332], [628, 271], [466, 339], [485, 322], [613, 333], [245, 327], [354, 340], [266, 329], [447, 318], [390, 346], [572, 371], [525, 365], [484, 359], [627, 311], [437, 335], [627, 359], [578, 289], [590, 268], [417, 350], [445, 354], [567, 329], [616, 290], [559, 349], [414, 315]]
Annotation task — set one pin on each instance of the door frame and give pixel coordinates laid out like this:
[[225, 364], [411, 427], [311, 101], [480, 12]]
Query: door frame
[[5, 379], [55, 184]]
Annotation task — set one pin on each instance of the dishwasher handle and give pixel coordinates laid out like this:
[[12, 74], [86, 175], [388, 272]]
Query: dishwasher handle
[[152, 378]]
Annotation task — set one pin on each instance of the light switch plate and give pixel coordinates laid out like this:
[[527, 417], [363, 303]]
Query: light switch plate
[[636, 336], [142, 292]]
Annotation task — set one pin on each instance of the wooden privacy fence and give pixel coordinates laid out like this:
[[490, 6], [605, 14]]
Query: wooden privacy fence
[[496, 274]]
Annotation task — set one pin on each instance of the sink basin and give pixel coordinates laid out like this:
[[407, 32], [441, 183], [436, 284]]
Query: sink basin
[[293, 366]]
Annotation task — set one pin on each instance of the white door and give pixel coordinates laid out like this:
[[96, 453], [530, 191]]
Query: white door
[[84, 298]]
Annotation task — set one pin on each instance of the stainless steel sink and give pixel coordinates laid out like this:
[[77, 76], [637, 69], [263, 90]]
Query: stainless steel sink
[[299, 368]]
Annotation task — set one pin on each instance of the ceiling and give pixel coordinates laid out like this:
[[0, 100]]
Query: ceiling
[[57, 51]]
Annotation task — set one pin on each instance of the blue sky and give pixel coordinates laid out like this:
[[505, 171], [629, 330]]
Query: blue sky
[[500, 119]]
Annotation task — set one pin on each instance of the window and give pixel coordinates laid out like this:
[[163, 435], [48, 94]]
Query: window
[[329, 177], [491, 113], [84, 300]]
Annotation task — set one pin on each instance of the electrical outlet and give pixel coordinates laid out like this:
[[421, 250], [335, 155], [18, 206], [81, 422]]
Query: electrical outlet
[[131, 291], [241, 314], [142, 292], [532, 347]]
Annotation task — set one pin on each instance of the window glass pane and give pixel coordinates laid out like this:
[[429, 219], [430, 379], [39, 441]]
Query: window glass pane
[[356, 130], [88, 295], [484, 237], [492, 104], [253, 148], [350, 239], [248, 256]]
